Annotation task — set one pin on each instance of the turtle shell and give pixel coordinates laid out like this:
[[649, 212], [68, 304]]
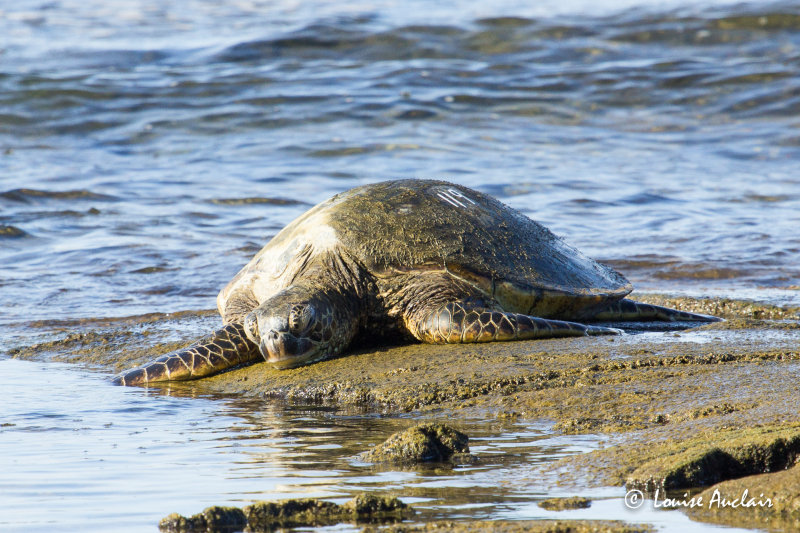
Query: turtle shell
[[407, 226]]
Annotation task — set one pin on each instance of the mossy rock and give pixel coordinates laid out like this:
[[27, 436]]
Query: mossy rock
[[707, 460], [768, 501], [266, 516], [420, 444], [565, 504], [307, 512], [310, 512], [372, 505], [215, 518]]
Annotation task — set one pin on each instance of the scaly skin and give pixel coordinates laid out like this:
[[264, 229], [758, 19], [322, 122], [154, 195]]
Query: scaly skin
[[223, 349], [628, 310], [460, 322]]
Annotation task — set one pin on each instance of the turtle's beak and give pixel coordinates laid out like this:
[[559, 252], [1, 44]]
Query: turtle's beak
[[284, 350]]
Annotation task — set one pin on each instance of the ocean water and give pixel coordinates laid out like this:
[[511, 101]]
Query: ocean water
[[147, 150]]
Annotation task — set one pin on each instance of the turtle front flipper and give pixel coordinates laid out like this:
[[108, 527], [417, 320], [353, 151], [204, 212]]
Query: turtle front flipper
[[628, 310], [464, 322], [223, 349]]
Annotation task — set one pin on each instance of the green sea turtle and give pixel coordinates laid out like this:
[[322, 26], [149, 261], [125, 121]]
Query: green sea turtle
[[422, 259]]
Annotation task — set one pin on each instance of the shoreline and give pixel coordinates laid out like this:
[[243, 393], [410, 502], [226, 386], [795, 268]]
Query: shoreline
[[669, 402]]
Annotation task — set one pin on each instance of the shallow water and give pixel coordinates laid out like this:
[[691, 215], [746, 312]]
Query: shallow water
[[147, 151], [94, 457]]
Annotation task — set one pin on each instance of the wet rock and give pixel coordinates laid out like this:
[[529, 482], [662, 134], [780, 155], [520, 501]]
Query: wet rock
[[722, 307], [420, 444], [564, 504], [212, 519], [692, 393], [709, 459], [767, 501], [522, 526], [308, 512], [371, 505], [311, 512], [266, 516]]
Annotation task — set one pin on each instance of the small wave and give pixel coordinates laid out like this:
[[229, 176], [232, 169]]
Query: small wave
[[256, 200], [360, 150], [505, 22], [701, 272], [765, 21], [33, 195], [151, 270], [673, 269], [646, 198], [313, 41], [415, 114], [332, 42]]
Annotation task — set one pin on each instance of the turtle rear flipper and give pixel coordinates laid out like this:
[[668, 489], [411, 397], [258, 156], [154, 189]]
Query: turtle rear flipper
[[466, 322], [628, 310], [223, 349]]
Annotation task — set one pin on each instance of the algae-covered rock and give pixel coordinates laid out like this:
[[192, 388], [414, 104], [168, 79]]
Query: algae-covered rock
[[770, 501], [179, 523], [522, 526], [372, 505], [564, 504], [308, 512], [419, 444], [709, 459], [266, 516], [212, 519]]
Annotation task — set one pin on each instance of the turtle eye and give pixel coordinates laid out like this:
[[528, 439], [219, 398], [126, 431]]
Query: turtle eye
[[300, 316]]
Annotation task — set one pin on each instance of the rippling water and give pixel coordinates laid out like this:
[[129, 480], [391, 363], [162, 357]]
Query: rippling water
[[76, 464], [147, 150]]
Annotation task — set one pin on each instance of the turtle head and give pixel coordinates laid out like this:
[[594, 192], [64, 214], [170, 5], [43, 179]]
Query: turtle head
[[291, 332]]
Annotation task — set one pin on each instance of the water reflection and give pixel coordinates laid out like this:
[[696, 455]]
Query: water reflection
[[83, 446]]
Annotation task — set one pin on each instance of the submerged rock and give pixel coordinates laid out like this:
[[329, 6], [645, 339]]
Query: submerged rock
[[266, 516], [420, 444], [564, 504]]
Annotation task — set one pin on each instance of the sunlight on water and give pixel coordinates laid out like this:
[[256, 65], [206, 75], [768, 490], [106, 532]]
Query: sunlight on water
[[148, 150], [660, 139], [84, 455]]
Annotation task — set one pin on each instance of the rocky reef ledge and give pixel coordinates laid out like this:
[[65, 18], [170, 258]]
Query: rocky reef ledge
[[705, 408]]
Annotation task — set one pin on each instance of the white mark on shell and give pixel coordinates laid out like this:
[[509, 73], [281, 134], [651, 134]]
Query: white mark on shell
[[455, 198]]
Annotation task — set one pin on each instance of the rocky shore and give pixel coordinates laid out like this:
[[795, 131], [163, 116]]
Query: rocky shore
[[708, 408]]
